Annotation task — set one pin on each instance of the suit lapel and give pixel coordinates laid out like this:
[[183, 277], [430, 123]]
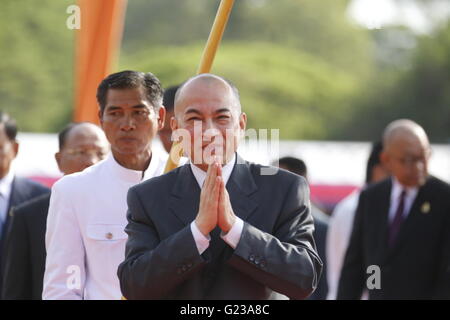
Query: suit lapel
[[16, 197], [240, 187], [185, 197], [407, 226], [15, 194], [385, 201]]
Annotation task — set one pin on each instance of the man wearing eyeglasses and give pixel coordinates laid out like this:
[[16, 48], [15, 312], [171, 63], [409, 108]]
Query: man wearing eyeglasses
[[400, 244], [80, 146], [14, 190], [85, 237]]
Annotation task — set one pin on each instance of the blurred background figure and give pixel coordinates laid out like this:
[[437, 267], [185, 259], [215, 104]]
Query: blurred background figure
[[13, 190], [400, 243], [341, 222], [298, 167], [80, 146], [165, 133]]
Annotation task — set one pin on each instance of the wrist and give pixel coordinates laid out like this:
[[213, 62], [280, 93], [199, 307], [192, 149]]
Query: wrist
[[202, 228], [230, 223]]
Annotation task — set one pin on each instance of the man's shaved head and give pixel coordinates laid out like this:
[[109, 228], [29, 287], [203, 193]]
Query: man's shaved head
[[86, 129], [406, 150], [209, 80], [81, 145], [208, 115], [403, 129]]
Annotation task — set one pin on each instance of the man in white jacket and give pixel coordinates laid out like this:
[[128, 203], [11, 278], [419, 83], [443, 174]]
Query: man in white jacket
[[85, 237]]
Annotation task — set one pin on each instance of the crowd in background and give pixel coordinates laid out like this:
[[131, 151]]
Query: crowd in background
[[390, 239]]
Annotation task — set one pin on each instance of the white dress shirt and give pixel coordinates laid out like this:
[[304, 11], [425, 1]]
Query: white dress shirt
[[5, 195], [396, 191], [338, 237], [85, 237], [234, 234]]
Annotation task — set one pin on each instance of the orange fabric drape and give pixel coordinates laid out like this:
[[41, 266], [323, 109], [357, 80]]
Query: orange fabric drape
[[97, 45]]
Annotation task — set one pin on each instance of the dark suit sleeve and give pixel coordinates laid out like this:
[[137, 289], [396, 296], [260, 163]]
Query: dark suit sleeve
[[284, 261], [152, 268], [351, 281], [442, 287], [320, 235], [17, 268], [39, 190]]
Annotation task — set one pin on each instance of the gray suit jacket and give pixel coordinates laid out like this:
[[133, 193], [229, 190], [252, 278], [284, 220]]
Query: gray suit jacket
[[22, 190], [276, 252]]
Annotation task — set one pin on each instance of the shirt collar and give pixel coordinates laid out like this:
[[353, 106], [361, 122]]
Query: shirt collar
[[6, 183], [200, 175], [154, 168], [397, 189], [134, 176]]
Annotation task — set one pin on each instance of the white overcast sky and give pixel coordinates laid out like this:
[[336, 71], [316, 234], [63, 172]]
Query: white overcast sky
[[420, 16]]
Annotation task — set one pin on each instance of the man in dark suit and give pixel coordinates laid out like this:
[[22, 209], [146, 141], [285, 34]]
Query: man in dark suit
[[13, 190], [80, 146], [321, 220], [400, 244], [190, 237]]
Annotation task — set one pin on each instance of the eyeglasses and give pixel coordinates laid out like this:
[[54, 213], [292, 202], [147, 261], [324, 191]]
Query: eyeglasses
[[411, 161]]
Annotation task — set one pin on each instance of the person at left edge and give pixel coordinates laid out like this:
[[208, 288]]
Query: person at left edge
[[85, 238], [81, 145], [14, 190]]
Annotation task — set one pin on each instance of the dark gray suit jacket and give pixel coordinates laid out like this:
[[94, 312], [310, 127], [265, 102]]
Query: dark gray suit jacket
[[418, 266], [321, 222], [22, 190], [24, 255], [276, 252]]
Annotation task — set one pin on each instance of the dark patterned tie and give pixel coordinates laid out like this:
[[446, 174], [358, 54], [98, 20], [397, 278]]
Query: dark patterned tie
[[398, 220]]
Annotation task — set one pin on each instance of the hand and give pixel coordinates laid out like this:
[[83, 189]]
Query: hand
[[206, 219], [226, 216]]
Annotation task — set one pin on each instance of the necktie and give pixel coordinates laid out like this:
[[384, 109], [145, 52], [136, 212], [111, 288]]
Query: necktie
[[398, 219]]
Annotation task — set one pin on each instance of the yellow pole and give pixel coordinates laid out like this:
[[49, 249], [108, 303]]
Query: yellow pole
[[206, 61], [215, 36]]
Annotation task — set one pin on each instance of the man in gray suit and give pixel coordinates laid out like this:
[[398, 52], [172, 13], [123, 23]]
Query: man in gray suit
[[218, 227]]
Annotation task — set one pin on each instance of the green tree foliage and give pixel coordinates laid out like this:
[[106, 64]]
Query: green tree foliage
[[320, 28], [420, 92], [280, 87], [296, 63], [36, 85], [301, 66]]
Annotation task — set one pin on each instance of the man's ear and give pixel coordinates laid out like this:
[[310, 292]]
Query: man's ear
[[173, 123], [162, 117], [58, 159], [100, 117], [15, 148], [243, 121]]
